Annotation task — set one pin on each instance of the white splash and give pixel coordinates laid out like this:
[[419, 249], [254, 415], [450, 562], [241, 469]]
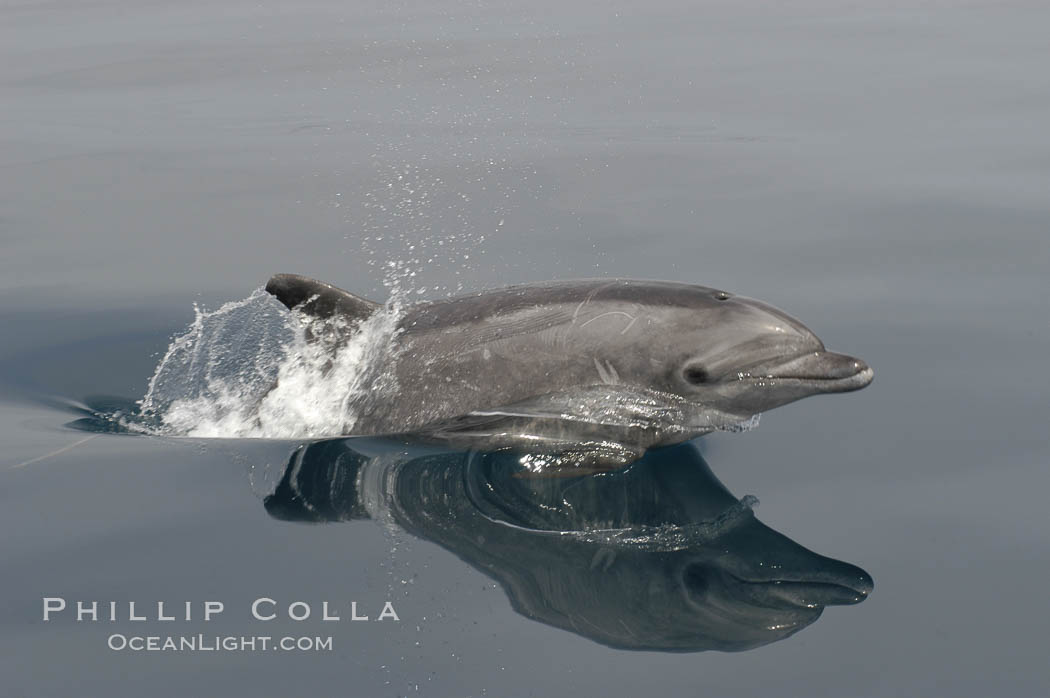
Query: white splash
[[254, 369]]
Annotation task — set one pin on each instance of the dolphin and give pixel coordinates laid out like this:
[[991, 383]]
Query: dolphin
[[594, 372], [655, 556]]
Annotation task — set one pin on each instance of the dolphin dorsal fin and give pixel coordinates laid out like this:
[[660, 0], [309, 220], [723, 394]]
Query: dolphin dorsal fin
[[318, 299]]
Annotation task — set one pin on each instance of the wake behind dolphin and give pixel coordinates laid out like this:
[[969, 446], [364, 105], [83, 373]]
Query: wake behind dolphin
[[585, 374]]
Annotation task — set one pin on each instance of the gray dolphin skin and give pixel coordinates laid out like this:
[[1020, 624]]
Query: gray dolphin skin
[[601, 369], [657, 556]]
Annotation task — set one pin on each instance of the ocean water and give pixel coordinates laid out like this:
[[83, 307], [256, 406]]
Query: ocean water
[[878, 170]]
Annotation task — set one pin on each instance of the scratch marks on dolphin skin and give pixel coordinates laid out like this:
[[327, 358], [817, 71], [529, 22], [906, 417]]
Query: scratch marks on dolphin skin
[[607, 372], [506, 328], [633, 318], [603, 558], [588, 299], [627, 628]]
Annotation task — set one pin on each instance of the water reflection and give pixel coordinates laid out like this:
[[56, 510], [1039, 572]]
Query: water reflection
[[658, 556]]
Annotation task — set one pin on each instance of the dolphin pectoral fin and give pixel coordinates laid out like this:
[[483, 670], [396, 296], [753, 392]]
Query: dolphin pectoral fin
[[319, 299]]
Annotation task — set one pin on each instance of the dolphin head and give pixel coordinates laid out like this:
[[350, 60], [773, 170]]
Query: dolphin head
[[739, 356], [768, 588], [657, 556]]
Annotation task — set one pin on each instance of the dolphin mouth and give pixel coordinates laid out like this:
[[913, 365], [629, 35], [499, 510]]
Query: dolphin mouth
[[825, 371], [806, 594], [823, 589]]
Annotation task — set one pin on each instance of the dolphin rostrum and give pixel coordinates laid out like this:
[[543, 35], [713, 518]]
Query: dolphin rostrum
[[600, 369]]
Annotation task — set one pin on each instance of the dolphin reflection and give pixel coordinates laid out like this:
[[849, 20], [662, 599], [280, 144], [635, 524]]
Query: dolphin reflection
[[657, 556]]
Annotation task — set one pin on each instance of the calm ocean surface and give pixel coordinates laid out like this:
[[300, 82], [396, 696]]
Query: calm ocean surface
[[880, 170]]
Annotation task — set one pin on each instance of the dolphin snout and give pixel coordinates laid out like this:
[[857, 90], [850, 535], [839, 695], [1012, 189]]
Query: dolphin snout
[[821, 582], [837, 372], [820, 365], [843, 586], [769, 569]]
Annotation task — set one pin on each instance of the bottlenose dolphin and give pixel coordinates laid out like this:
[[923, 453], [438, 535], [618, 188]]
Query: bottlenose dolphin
[[656, 556], [601, 369]]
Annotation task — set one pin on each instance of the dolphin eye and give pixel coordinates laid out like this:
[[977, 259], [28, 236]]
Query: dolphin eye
[[696, 374], [722, 295]]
